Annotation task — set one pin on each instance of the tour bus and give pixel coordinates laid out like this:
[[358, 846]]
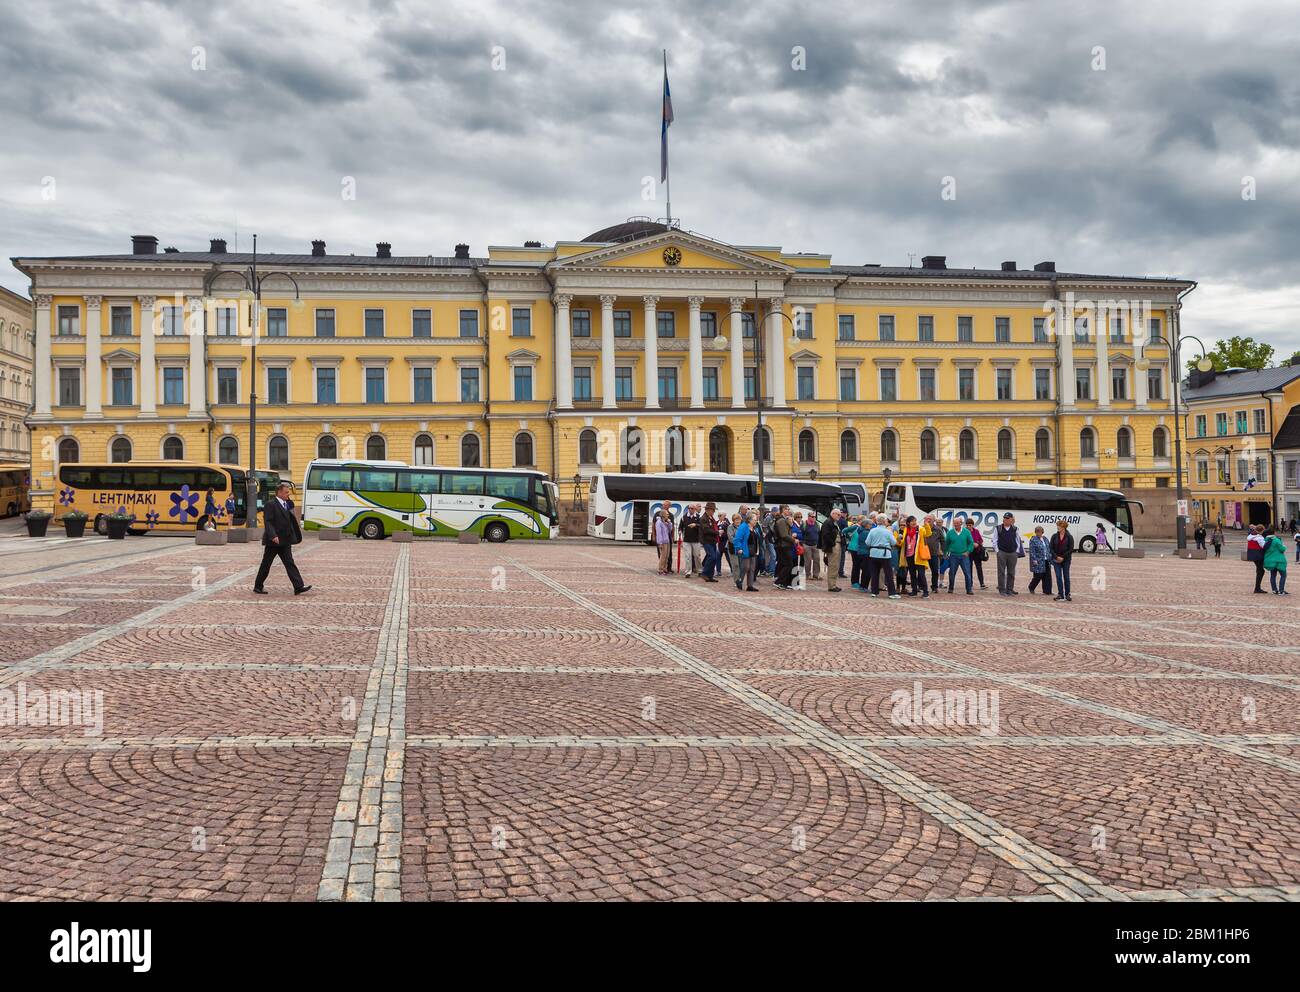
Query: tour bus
[[982, 503], [15, 488], [376, 498], [620, 505], [164, 497]]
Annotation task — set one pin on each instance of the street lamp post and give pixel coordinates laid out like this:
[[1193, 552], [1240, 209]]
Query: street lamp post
[[253, 291], [1204, 364]]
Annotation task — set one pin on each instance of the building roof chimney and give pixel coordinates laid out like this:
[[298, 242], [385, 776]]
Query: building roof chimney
[[144, 244], [532, 244], [1008, 266], [217, 246], [171, 250], [383, 250], [934, 262], [462, 251], [1045, 267], [318, 249]]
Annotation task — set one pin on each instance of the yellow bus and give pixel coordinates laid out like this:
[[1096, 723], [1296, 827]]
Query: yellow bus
[[164, 497], [15, 488]]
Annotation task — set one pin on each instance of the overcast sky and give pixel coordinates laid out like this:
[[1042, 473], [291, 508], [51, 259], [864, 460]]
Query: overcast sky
[[493, 123]]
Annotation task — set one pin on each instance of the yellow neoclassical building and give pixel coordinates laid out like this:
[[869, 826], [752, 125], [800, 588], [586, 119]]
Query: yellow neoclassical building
[[641, 347]]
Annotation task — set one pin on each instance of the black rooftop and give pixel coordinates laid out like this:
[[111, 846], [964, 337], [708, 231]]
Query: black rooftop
[[1288, 435], [1028, 275], [269, 258], [629, 230]]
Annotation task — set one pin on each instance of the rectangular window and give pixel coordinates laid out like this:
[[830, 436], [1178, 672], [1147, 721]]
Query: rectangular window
[[1153, 328], [463, 484], [1004, 384], [803, 325], [69, 387], [1259, 422], [1081, 330], [805, 382], [469, 323], [375, 481], [173, 321], [227, 324], [580, 323], [277, 322], [374, 385], [667, 322], [668, 384], [710, 383], [1117, 328], [622, 323], [1200, 425], [747, 325], [1002, 329], [886, 324], [889, 385], [1040, 330], [228, 386], [848, 385], [277, 384], [119, 322], [327, 385], [1241, 421], [1155, 384], [965, 384], [582, 383], [1083, 384], [751, 383], [123, 392], [847, 330], [1202, 471], [925, 327], [1042, 384], [708, 325], [421, 323], [173, 386], [523, 382], [374, 323], [926, 384], [422, 384], [1119, 384], [324, 323], [521, 322], [965, 328], [69, 321], [623, 383], [1221, 424], [469, 385]]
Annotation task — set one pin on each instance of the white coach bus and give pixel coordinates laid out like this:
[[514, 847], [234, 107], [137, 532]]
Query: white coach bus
[[619, 506], [982, 503]]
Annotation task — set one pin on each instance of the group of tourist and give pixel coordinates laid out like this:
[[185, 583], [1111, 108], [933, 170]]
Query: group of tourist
[[907, 555], [1268, 553]]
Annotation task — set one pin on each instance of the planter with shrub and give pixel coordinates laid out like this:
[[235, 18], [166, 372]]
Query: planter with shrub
[[118, 524], [74, 523], [37, 522]]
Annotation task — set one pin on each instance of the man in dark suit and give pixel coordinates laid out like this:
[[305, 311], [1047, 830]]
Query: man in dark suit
[[279, 536]]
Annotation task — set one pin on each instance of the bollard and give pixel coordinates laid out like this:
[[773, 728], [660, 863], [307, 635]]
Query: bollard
[[329, 534], [467, 537], [210, 538], [1132, 553], [237, 535], [403, 536]]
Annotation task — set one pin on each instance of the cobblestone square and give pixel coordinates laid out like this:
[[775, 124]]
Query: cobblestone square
[[553, 720]]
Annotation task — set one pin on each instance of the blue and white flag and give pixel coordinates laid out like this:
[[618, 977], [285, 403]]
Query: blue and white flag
[[663, 129], [1250, 484]]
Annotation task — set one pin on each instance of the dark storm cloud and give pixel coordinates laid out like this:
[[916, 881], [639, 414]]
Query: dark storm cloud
[[1135, 169]]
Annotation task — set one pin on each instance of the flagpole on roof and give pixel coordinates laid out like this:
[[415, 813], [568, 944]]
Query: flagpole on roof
[[664, 175]]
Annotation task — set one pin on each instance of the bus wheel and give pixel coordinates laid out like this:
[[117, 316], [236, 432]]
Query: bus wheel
[[11, 509], [372, 530], [101, 525], [1088, 545], [497, 533]]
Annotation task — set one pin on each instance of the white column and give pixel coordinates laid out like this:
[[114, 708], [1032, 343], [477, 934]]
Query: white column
[[607, 353], [198, 366], [94, 358], [696, 354], [737, 353], [43, 372], [1102, 332], [651, 353], [563, 354], [1065, 345], [148, 364], [1140, 387], [776, 352]]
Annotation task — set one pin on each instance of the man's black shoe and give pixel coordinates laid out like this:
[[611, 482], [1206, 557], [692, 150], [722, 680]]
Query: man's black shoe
[[299, 592], [260, 592]]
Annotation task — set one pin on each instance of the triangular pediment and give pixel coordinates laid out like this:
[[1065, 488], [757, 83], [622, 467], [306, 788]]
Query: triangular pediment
[[673, 250]]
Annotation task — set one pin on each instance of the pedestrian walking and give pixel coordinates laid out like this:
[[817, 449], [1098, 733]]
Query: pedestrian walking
[[959, 544], [1061, 548], [664, 539], [690, 528], [1199, 536], [1010, 550], [1039, 562], [1255, 543], [1216, 538], [279, 536], [1275, 563]]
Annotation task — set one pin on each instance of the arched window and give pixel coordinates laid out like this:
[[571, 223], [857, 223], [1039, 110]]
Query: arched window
[[1087, 443], [807, 446], [888, 446], [1160, 443], [120, 450], [966, 448], [762, 444], [588, 448], [327, 446], [228, 451], [1124, 442], [1043, 444], [173, 449], [1006, 446], [69, 450], [424, 449], [675, 449], [849, 446], [470, 451], [523, 450], [376, 448], [278, 453], [929, 446], [632, 456]]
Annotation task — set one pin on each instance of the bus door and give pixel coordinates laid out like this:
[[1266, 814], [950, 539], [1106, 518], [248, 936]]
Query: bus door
[[640, 520]]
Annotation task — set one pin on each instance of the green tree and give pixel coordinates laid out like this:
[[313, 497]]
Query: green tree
[[1238, 353]]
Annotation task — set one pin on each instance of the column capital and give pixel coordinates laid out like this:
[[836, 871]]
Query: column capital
[[608, 300], [737, 303], [695, 302], [93, 302], [147, 302], [649, 301], [43, 301], [194, 304], [563, 299], [777, 302]]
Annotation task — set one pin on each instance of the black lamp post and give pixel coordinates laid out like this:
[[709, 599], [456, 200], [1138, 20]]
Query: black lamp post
[[760, 322], [253, 286]]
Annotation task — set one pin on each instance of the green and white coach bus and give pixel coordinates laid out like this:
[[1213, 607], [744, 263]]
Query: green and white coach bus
[[373, 499]]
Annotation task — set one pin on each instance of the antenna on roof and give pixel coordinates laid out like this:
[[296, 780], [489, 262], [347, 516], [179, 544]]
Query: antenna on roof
[[910, 255]]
